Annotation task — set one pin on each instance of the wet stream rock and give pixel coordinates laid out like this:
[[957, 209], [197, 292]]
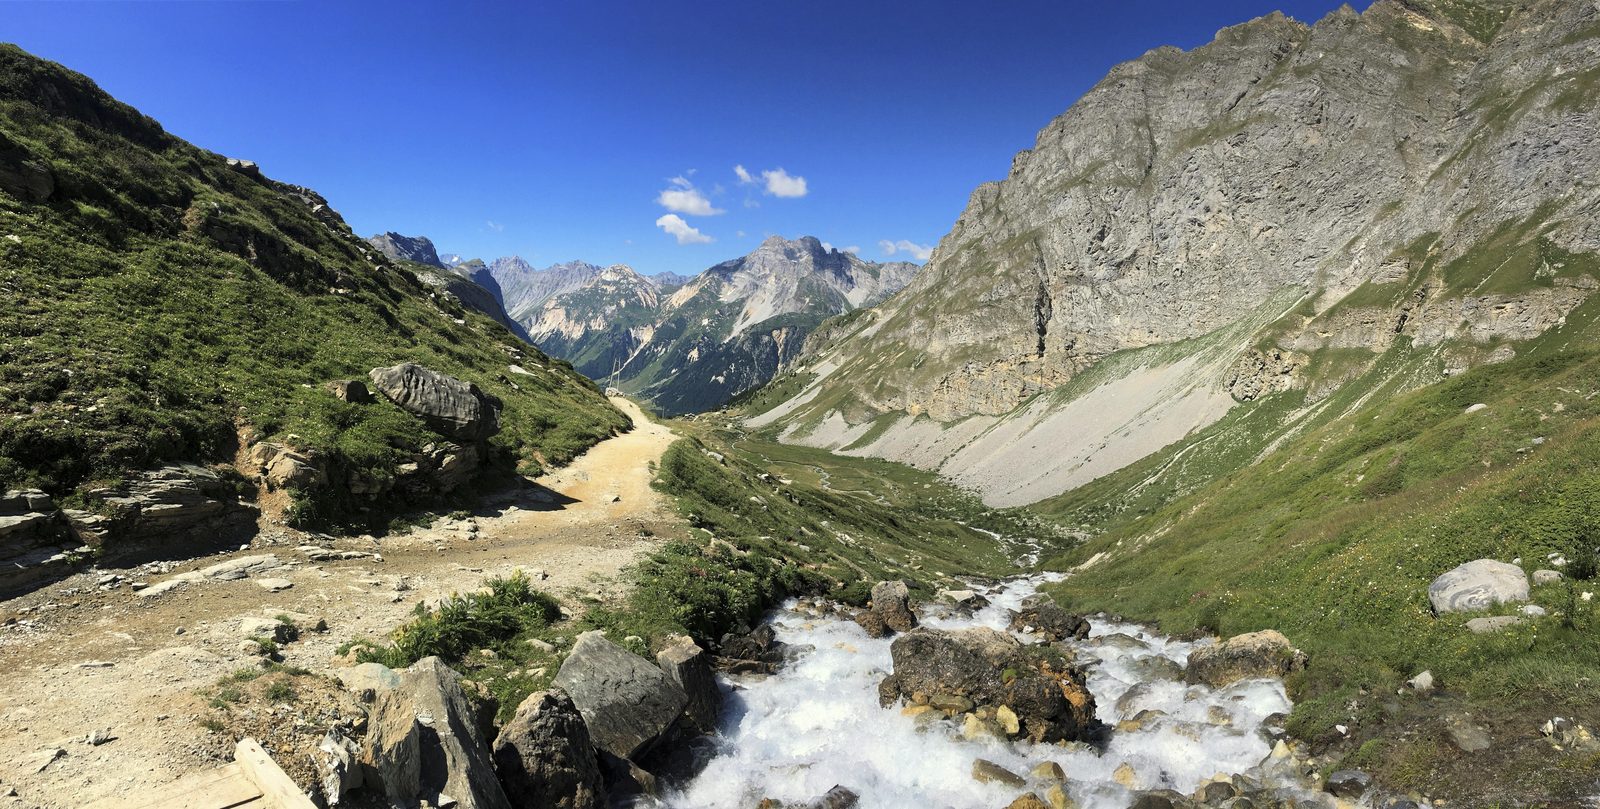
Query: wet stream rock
[[1257, 654], [1041, 616], [1048, 697], [757, 651]]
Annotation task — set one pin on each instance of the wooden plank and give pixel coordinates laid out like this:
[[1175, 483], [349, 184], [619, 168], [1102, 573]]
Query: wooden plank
[[225, 787], [277, 789]]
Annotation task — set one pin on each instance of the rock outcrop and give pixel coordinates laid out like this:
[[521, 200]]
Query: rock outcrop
[[454, 408], [1274, 194], [1478, 585], [1257, 654], [545, 757], [183, 507], [627, 703], [689, 668], [984, 669], [424, 740], [34, 542]]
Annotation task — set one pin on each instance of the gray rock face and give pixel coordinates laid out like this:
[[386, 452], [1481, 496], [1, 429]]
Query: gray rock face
[[285, 468], [988, 668], [1257, 654], [1478, 585], [175, 506], [545, 757], [1350, 784], [34, 542], [689, 667], [626, 702], [407, 248], [456, 409], [424, 741], [1192, 191]]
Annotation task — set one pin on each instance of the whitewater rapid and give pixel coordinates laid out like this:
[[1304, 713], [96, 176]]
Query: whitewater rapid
[[816, 723]]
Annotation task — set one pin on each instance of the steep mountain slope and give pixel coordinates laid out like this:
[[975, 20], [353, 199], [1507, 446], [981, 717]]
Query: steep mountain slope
[[167, 305], [1283, 208], [599, 324], [469, 281]]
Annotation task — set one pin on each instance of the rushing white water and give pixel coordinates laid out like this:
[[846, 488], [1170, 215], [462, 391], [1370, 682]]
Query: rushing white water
[[817, 723]]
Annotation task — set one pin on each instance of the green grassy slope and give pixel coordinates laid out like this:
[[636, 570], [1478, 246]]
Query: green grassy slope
[[156, 299], [1334, 537]]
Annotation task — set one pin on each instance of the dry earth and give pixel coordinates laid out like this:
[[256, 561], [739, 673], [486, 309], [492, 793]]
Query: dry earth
[[93, 654]]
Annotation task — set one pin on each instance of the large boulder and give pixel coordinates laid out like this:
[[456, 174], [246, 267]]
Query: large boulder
[[545, 757], [891, 602], [284, 467], [451, 756], [1478, 585], [454, 408], [1257, 654], [1041, 615], [991, 669], [627, 703], [689, 667]]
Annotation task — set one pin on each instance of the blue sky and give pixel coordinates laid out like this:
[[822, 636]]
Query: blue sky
[[551, 130]]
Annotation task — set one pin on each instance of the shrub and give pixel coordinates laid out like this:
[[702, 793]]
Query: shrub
[[491, 619]]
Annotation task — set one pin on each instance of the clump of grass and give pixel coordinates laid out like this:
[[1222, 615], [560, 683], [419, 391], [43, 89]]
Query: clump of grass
[[508, 610], [280, 690]]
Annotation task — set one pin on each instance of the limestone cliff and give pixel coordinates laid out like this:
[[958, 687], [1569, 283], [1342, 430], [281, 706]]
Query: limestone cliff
[[1412, 173]]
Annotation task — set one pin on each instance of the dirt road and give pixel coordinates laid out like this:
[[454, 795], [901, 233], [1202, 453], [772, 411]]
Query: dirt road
[[91, 654]]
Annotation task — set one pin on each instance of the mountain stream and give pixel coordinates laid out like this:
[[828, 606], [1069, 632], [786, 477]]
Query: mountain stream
[[816, 723]]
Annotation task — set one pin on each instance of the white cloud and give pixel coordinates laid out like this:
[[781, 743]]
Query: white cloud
[[781, 184], [920, 252], [684, 198], [674, 225], [495, 226], [775, 182], [851, 249]]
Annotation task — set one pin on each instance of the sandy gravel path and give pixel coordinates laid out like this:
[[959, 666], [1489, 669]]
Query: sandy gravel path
[[79, 657]]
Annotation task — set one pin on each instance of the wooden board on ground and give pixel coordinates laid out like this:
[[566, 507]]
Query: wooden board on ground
[[252, 781]]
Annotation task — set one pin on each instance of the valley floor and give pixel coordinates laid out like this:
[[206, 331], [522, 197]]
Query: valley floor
[[80, 658]]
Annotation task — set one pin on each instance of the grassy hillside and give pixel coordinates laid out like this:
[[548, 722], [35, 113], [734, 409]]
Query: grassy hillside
[[158, 300], [1334, 537]]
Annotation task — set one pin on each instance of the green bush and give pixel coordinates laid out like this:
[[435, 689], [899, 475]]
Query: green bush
[[509, 609]]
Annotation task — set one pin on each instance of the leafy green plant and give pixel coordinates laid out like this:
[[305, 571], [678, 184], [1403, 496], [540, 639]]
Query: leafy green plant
[[508, 609]]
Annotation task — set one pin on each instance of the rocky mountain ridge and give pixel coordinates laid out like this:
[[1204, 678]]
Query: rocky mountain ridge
[[468, 281], [718, 334], [1277, 210]]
